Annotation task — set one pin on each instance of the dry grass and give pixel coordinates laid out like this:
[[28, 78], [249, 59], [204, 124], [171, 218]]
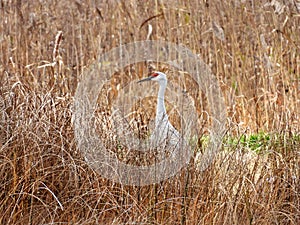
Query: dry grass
[[253, 47]]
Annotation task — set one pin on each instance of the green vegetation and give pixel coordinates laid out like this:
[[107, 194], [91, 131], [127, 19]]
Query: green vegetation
[[254, 142]]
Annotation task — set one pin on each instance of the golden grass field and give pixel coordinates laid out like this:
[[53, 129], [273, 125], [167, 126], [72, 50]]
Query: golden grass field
[[253, 49]]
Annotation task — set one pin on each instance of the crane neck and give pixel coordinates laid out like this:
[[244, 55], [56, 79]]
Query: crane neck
[[161, 114]]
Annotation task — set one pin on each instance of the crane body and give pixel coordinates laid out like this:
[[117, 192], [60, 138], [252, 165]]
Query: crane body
[[164, 133]]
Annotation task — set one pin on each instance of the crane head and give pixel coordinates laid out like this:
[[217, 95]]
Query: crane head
[[155, 76]]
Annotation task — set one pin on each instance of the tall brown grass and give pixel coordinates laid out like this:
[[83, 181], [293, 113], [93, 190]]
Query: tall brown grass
[[251, 46]]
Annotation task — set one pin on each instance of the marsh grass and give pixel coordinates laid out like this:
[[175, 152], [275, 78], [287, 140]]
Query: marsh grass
[[251, 46]]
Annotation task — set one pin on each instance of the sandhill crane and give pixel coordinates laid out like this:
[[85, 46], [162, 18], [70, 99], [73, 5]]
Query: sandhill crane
[[164, 133]]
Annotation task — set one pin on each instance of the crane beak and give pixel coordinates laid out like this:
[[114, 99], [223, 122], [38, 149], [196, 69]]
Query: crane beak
[[145, 79]]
